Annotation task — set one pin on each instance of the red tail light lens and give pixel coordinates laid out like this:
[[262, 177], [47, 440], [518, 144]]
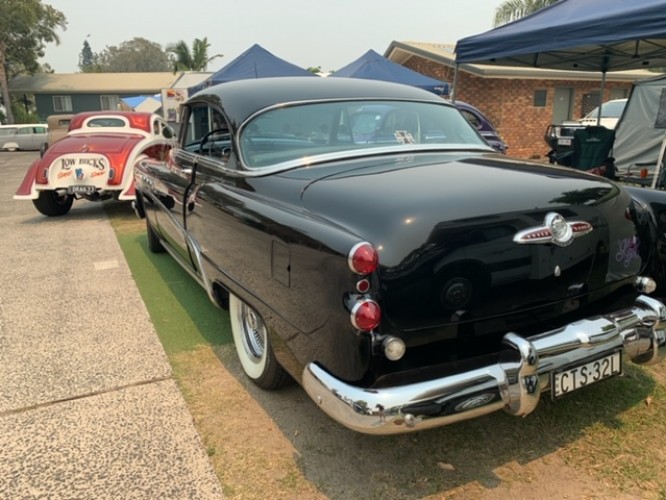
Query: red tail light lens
[[366, 315], [363, 258]]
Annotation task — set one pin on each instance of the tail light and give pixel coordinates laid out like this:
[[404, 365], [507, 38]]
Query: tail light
[[363, 258], [366, 315]]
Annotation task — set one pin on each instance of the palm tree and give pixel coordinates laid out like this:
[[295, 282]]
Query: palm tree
[[196, 60], [510, 10]]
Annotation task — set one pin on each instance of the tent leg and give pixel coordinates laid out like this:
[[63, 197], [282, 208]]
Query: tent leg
[[452, 95], [601, 97], [660, 162]]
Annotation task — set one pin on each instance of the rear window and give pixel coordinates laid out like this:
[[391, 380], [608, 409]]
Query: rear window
[[307, 132], [106, 122]]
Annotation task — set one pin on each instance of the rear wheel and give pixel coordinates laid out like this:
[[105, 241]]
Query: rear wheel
[[253, 346], [154, 243], [52, 204]]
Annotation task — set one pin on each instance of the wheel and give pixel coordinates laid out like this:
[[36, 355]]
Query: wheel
[[154, 243], [52, 204], [253, 346]]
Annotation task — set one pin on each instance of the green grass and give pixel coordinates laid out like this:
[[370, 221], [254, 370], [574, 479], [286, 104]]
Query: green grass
[[183, 315]]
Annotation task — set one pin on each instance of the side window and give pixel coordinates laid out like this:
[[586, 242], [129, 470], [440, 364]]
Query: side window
[[206, 132], [25, 131], [471, 118]]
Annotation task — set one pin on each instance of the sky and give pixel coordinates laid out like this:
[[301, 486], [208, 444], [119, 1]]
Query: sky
[[309, 33]]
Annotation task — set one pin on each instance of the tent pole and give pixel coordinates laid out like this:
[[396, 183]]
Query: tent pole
[[452, 95], [601, 97], [660, 162]]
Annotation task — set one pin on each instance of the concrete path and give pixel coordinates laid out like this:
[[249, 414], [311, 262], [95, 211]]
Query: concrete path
[[88, 405]]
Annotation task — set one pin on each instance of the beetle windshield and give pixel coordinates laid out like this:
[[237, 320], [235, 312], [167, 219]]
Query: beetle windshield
[[304, 132]]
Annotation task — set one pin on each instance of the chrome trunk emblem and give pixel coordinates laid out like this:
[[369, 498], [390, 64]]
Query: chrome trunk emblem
[[555, 229]]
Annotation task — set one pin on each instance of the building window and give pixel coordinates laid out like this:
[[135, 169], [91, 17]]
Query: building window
[[589, 102], [62, 103], [109, 102], [618, 94], [540, 96]]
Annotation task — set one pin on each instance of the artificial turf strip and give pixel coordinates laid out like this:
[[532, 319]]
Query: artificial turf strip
[[183, 315]]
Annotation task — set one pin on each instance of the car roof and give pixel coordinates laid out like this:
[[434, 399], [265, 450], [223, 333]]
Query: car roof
[[242, 98]]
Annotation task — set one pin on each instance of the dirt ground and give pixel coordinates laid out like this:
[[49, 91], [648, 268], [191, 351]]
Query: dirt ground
[[281, 445]]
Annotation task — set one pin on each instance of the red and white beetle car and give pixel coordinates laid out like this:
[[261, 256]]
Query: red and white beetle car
[[95, 160]]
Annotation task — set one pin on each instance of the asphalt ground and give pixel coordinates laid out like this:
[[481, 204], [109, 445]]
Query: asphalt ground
[[89, 408]]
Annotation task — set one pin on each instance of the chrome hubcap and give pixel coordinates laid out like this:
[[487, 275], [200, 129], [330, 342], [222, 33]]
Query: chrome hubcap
[[254, 333]]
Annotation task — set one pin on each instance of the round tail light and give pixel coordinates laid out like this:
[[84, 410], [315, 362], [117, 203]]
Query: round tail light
[[366, 315], [363, 258]]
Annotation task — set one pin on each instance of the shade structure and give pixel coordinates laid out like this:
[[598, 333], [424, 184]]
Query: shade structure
[[373, 66], [255, 62], [585, 35]]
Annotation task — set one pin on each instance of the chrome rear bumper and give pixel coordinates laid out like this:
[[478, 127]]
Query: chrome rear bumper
[[513, 384]]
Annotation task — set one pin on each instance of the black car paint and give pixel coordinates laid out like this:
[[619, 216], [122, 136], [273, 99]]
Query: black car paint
[[280, 243]]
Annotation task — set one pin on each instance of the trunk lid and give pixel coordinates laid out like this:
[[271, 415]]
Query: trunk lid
[[444, 226]]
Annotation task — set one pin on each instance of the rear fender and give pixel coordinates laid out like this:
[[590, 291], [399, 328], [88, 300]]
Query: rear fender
[[27, 190]]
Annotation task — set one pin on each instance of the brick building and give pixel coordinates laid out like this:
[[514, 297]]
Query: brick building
[[521, 102]]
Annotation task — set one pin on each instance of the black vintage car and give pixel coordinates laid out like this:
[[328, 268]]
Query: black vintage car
[[373, 247]]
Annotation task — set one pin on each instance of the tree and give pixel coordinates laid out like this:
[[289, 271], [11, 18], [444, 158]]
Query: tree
[[26, 26], [88, 59], [512, 10], [196, 60], [136, 55]]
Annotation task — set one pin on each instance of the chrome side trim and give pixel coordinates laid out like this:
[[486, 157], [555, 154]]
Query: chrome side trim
[[198, 257], [514, 384]]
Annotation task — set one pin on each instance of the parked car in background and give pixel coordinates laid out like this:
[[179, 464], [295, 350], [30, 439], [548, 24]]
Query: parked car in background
[[483, 125], [373, 247], [24, 137], [611, 111], [94, 161], [58, 126]]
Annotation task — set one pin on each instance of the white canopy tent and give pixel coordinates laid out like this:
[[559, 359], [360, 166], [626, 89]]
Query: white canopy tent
[[640, 135]]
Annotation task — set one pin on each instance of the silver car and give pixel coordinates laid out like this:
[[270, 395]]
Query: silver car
[[26, 136]]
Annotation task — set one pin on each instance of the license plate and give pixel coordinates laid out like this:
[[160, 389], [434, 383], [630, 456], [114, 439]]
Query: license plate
[[565, 381], [564, 142], [81, 189]]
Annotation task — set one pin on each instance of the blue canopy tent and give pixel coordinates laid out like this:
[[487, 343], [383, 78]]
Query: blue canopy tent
[[584, 35], [255, 62], [373, 66]]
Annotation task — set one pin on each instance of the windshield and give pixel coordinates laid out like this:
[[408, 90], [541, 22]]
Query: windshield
[[304, 132], [610, 109]]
